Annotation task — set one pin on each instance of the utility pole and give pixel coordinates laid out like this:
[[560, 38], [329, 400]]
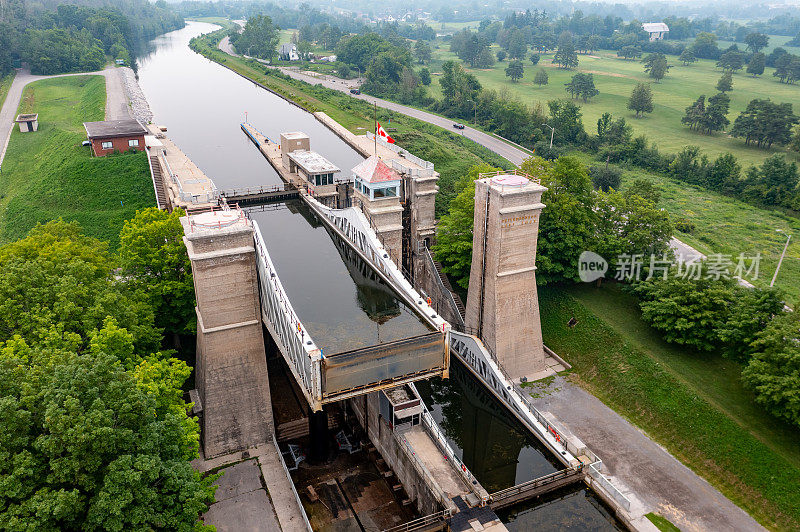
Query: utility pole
[[552, 133], [780, 261]]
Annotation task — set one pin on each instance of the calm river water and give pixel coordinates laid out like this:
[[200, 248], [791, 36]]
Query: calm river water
[[202, 105]]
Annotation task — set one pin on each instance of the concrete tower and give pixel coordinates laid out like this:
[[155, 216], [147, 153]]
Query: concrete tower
[[502, 303], [231, 367]]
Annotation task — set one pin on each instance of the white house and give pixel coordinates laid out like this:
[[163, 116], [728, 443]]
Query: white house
[[657, 30], [288, 52]]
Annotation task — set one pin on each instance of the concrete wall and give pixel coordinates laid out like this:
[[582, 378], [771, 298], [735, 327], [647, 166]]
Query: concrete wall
[[386, 217], [231, 369], [502, 302], [367, 408]]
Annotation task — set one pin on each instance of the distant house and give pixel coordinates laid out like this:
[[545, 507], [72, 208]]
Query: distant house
[[288, 52], [657, 30], [115, 135], [28, 123]]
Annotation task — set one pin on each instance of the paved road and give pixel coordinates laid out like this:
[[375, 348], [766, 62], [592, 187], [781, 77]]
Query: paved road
[[500, 147], [116, 99], [659, 481]]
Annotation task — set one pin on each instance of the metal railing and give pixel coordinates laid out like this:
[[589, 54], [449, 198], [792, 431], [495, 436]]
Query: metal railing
[[445, 290], [251, 191], [515, 171], [291, 483], [295, 339], [441, 441], [536, 483], [612, 490], [422, 469], [425, 167], [208, 197], [421, 522]]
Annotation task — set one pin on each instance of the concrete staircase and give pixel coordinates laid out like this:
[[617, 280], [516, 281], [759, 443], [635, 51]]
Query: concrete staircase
[[446, 283], [158, 182]]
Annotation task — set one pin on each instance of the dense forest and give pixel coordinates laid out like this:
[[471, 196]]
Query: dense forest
[[56, 37]]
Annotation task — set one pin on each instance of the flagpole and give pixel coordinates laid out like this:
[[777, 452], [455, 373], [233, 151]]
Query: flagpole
[[376, 128]]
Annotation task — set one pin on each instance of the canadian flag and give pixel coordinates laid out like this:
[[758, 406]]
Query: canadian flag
[[384, 135]]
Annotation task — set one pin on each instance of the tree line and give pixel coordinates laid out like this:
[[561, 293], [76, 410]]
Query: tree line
[[54, 39], [95, 429]]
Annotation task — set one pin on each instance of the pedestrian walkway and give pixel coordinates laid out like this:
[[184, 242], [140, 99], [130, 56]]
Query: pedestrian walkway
[[659, 481]]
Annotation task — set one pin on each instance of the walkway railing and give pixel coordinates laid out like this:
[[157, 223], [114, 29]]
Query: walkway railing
[[296, 344], [208, 197], [483, 363], [421, 523], [610, 488], [535, 487], [441, 441], [425, 167], [451, 300], [291, 483]]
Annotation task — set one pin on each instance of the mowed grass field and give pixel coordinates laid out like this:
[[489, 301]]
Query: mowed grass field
[[691, 403], [49, 175], [728, 226], [615, 78]]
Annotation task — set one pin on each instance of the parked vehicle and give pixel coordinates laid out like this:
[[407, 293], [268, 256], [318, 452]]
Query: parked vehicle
[[458, 125], [355, 91]]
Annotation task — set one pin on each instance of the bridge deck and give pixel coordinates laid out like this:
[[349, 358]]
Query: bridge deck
[[342, 303]]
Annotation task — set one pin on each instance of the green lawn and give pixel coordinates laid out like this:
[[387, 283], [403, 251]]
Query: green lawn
[[452, 154], [691, 404], [662, 523], [5, 85], [615, 79], [729, 226], [48, 174]]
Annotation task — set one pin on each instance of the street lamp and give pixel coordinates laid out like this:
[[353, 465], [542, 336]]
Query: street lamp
[[780, 261], [552, 134]]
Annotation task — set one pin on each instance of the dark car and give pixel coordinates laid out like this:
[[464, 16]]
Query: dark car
[[458, 125], [355, 91]]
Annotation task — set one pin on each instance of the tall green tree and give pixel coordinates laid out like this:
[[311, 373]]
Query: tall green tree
[[454, 232], [687, 57], [259, 38], [731, 61], [641, 100], [154, 260], [566, 225], [541, 77], [725, 83], [582, 86], [656, 66], [629, 52], [422, 51], [756, 64], [515, 70], [773, 373], [756, 42], [566, 56]]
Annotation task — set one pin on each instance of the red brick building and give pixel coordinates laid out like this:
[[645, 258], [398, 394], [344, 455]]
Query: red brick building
[[115, 135]]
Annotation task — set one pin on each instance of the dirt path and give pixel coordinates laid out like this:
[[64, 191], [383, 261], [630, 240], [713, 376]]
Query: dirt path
[[116, 99]]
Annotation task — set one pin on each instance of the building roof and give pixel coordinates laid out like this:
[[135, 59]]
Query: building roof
[[654, 27], [286, 48], [312, 162], [373, 170], [114, 128], [27, 118]]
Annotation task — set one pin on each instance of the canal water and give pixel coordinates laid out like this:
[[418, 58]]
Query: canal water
[[202, 104]]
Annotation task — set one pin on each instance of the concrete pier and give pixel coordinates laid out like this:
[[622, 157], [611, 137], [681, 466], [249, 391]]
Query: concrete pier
[[186, 186], [502, 303], [231, 370]]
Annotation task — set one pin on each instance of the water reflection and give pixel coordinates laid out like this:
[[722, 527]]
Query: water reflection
[[341, 302], [203, 103], [566, 509], [493, 444]]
